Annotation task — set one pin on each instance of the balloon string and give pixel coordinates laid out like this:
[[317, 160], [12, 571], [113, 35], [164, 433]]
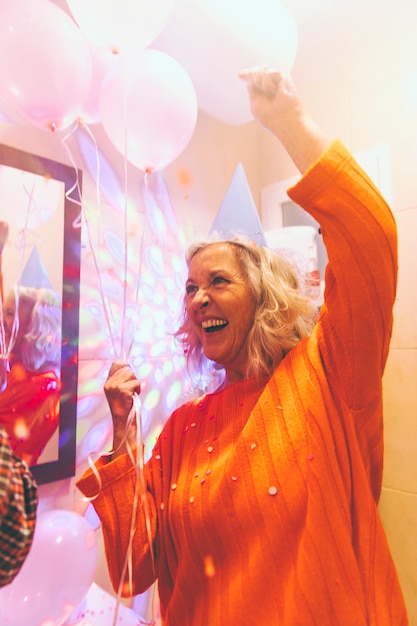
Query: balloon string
[[126, 350], [125, 139], [137, 289], [98, 176], [140, 494], [85, 221], [76, 186], [139, 273], [140, 444]]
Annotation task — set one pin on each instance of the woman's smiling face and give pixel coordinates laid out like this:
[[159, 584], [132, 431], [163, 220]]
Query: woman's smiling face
[[221, 307]]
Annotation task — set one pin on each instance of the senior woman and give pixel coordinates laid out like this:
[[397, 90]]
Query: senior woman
[[262, 495]]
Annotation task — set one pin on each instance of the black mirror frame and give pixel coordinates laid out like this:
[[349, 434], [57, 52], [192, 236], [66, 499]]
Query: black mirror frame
[[64, 466]]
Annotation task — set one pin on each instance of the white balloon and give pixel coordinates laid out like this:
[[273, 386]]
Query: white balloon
[[148, 108], [121, 25], [215, 40], [56, 575]]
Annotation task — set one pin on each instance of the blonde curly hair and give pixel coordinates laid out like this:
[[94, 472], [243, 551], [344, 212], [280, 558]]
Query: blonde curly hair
[[284, 313], [41, 345]]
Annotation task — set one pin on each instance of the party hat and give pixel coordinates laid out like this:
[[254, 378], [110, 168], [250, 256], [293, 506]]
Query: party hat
[[237, 214], [34, 273]]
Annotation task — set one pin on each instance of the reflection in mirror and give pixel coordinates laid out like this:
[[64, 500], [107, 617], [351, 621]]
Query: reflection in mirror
[[39, 280]]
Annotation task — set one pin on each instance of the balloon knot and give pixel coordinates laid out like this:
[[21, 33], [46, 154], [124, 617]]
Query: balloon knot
[[52, 126]]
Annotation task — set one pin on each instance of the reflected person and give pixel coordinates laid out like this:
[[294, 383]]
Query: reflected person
[[263, 494], [30, 359]]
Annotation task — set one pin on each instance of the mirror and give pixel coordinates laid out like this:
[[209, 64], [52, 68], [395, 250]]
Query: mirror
[[39, 202]]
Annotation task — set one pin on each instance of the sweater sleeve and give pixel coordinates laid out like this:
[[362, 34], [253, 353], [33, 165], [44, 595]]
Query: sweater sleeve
[[114, 501], [359, 233]]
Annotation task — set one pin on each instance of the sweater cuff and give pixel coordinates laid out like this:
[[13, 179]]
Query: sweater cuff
[[109, 472]]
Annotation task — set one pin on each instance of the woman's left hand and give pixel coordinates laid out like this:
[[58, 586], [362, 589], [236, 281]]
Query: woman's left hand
[[120, 386], [272, 95], [275, 103]]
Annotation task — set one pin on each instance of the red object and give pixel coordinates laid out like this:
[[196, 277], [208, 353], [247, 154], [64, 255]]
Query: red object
[[29, 411]]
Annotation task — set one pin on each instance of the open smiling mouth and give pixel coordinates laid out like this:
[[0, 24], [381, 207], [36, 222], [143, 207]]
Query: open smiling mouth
[[212, 326]]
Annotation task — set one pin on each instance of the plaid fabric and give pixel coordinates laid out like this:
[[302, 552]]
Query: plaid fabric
[[18, 503]]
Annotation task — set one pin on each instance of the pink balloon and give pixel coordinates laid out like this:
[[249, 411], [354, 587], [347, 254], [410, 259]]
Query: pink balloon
[[56, 575], [45, 71], [148, 108]]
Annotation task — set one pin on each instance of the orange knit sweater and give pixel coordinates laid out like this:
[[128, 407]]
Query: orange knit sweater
[[264, 501]]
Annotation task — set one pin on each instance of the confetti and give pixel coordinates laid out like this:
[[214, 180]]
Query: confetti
[[209, 568]]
